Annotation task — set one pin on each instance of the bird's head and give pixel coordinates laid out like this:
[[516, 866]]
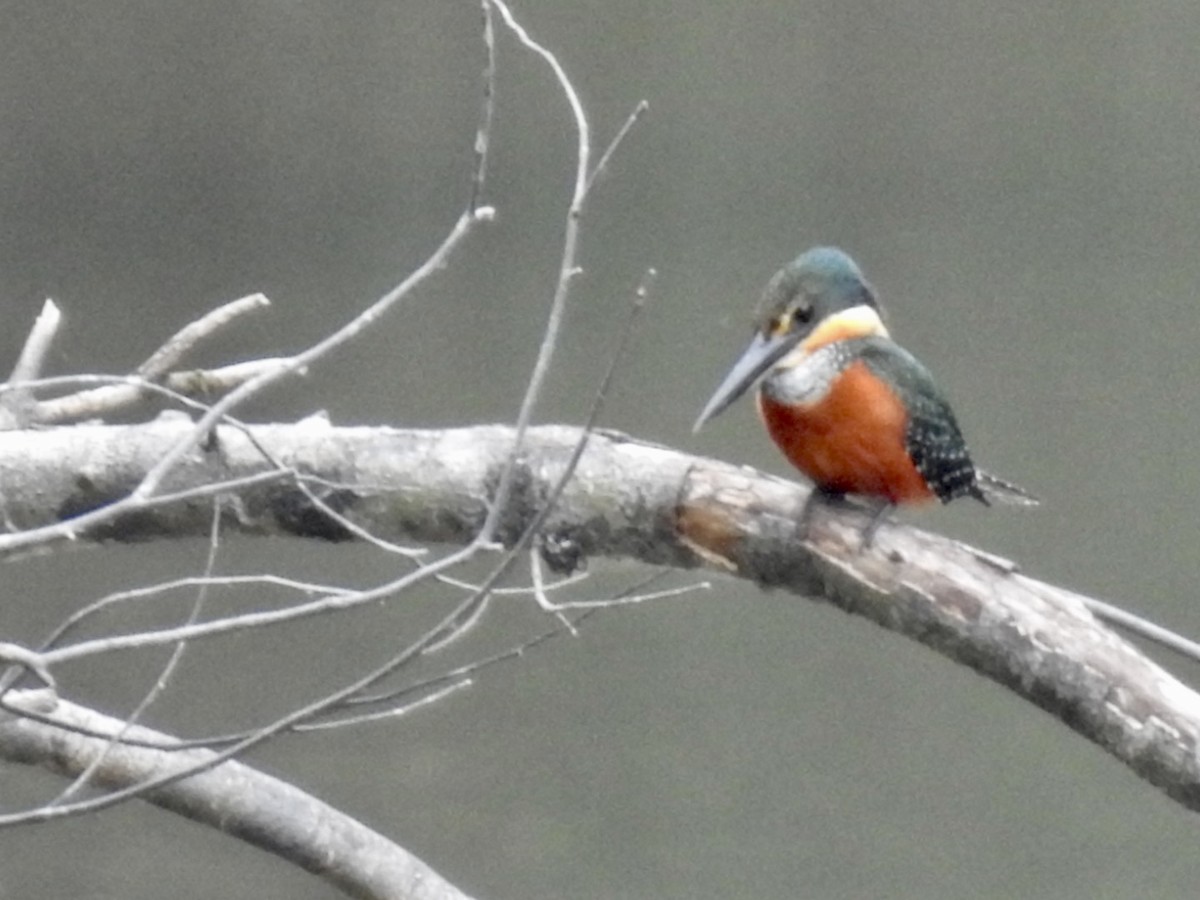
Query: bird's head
[[818, 298]]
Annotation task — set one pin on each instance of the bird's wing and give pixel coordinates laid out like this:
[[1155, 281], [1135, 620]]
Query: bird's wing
[[933, 439]]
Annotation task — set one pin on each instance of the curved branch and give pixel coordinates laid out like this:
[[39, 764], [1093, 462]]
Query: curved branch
[[630, 499], [232, 797]]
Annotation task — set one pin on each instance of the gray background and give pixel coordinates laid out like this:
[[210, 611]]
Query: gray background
[[1019, 181]]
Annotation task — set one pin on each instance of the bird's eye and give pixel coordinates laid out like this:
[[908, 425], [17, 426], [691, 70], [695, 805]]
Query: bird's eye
[[802, 313]]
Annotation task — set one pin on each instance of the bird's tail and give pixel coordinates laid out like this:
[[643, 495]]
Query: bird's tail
[[1001, 491]]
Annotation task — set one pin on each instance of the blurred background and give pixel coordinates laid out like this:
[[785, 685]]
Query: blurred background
[[1021, 185]]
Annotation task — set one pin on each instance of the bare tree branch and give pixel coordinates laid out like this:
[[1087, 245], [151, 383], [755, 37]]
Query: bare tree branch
[[37, 344], [166, 357], [106, 490], [118, 394], [16, 405], [629, 499], [561, 494], [234, 798]]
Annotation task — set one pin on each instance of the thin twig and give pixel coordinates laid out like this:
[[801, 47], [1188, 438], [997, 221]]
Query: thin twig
[[484, 131], [539, 590], [638, 110], [127, 391], [24, 658], [393, 713], [72, 528], [567, 269], [280, 725], [164, 677], [37, 345], [624, 599], [347, 332], [192, 581], [169, 354], [246, 621], [470, 610], [146, 492], [464, 673], [301, 361], [571, 580], [1143, 628], [350, 525], [18, 402]]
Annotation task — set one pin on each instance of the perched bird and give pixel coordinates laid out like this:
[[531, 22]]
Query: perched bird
[[850, 408]]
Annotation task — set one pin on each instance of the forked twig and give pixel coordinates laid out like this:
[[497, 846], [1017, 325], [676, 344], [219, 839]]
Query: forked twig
[[166, 357], [147, 492], [567, 268]]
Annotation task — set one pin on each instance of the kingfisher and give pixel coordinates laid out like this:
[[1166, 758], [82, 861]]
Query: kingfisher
[[848, 406]]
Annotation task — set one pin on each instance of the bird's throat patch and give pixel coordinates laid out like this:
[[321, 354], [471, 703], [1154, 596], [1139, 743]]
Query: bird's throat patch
[[804, 378], [855, 322]]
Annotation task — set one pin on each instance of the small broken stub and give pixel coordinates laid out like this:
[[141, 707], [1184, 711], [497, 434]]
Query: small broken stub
[[562, 553]]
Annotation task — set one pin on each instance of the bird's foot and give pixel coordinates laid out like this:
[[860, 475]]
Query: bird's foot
[[815, 497], [877, 509], [881, 510]]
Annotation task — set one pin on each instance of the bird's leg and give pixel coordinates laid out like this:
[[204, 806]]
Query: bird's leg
[[804, 520], [878, 516], [877, 509]]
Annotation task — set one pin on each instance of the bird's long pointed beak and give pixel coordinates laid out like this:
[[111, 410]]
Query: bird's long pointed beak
[[762, 353]]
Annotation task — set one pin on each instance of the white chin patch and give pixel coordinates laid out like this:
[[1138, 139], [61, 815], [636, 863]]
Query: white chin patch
[[805, 379]]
